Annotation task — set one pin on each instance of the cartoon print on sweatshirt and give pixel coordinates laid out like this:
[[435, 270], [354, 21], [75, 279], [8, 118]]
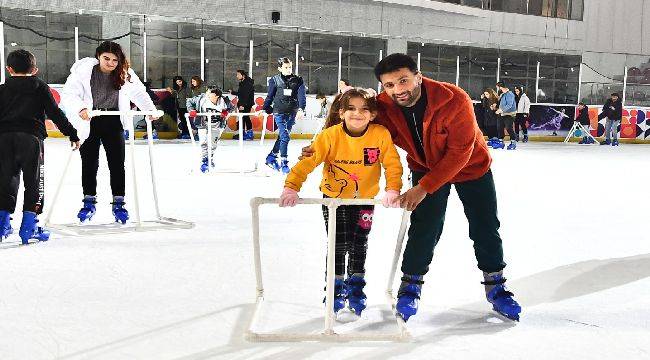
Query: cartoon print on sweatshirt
[[365, 219]]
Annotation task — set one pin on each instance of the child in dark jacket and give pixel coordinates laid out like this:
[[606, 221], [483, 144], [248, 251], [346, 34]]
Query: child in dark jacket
[[24, 102]]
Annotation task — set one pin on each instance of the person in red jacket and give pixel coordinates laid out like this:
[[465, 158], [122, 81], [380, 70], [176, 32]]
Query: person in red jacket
[[434, 123]]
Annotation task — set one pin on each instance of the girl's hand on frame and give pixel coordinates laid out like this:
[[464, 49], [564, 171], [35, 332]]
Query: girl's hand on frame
[[289, 197], [390, 199]]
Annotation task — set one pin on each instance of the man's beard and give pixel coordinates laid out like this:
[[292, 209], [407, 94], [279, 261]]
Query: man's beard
[[411, 99]]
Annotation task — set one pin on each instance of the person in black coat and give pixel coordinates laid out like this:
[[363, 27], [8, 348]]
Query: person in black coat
[[583, 119], [613, 111], [245, 100]]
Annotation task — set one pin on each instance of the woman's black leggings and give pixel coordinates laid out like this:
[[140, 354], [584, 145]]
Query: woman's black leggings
[[107, 131]]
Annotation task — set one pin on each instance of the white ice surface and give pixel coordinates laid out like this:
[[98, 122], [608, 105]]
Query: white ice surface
[[574, 225]]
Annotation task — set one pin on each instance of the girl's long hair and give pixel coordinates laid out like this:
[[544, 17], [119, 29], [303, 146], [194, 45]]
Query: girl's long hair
[[198, 80], [341, 101], [121, 73], [493, 98], [175, 85]]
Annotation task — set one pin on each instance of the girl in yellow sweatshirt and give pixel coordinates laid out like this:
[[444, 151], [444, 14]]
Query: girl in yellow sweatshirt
[[353, 150]]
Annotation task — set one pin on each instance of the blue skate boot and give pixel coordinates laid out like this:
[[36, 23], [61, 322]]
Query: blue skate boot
[[248, 135], [5, 225], [88, 210], [284, 166], [500, 298], [30, 230], [408, 296], [615, 142], [126, 134], [356, 296], [272, 162], [340, 294], [498, 144], [120, 213], [512, 146], [491, 141], [204, 165], [606, 142], [525, 138]]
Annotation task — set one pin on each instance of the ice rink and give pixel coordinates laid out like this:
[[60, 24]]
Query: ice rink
[[574, 224]]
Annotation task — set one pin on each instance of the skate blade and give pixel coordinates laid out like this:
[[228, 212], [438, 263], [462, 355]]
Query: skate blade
[[348, 316], [505, 316]]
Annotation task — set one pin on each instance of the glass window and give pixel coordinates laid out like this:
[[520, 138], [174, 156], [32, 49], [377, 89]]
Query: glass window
[[513, 6], [576, 9], [562, 9]]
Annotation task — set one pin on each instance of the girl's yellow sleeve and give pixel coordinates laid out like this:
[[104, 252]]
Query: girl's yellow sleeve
[[392, 164], [304, 167]]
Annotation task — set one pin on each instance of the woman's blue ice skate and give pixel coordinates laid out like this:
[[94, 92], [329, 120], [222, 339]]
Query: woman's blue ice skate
[[120, 213], [356, 296], [30, 230], [500, 298], [88, 210], [5, 225], [408, 296]]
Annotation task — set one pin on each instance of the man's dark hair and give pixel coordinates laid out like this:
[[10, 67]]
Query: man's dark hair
[[283, 60], [22, 61], [394, 62], [581, 103], [215, 90], [501, 84], [345, 81], [242, 73], [615, 94]]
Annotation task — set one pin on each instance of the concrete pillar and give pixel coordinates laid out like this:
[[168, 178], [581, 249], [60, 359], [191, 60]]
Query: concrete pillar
[[396, 46], [116, 25]]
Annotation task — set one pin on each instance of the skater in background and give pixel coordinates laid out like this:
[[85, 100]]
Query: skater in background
[[613, 112], [196, 86], [245, 101], [489, 100], [343, 86], [353, 150], [506, 112], [212, 101], [434, 123], [106, 83], [523, 109], [181, 92], [24, 101], [583, 119], [286, 100]]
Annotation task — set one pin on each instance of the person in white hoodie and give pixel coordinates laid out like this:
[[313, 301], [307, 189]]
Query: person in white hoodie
[[523, 109], [105, 82]]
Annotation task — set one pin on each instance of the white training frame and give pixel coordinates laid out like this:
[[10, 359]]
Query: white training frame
[[240, 118], [328, 333], [159, 223], [578, 126]]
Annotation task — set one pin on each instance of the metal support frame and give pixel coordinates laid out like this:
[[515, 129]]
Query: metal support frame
[[250, 58], [240, 120], [579, 82], [458, 70], [328, 333], [537, 84], [144, 55], [159, 223], [381, 57], [419, 62], [498, 69], [578, 126], [202, 58], [2, 53], [624, 88], [295, 67], [338, 79], [76, 43]]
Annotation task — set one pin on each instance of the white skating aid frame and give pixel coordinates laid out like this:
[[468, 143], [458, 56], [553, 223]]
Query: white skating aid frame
[[159, 223], [240, 119], [328, 333], [578, 126]]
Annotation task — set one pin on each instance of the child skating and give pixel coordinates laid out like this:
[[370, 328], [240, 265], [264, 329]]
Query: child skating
[[353, 150]]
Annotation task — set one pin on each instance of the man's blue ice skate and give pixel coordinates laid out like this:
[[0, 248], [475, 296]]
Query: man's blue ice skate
[[30, 230], [408, 296], [356, 296], [491, 141], [272, 162], [512, 146], [500, 298], [615, 143], [340, 294], [606, 142], [5, 225], [126, 134], [284, 166], [120, 213], [88, 210], [499, 144], [525, 139]]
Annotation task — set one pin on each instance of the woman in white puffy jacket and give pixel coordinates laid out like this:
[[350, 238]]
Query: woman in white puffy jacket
[[104, 82], [523, 109]]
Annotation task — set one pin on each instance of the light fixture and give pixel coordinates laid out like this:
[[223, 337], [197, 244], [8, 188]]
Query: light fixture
[[302, 58], [13, 44], [257, 63], [572, 70], [483, 68]]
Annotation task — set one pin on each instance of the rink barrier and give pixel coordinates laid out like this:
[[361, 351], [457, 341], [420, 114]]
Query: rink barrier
[[328, 334], [160, 222], [240, 118]]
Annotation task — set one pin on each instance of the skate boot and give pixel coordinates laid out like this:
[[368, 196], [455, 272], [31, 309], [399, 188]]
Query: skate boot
[[30, 230], [583, 140], [248, 135], [500, 298], [204, 165], [615, 143], [126, 134], [272, 162], [492, 141], [5, 225], [512, 146], [356, 296], [340, 294], [525, 138], [284, 166], [498, 144], [408, 296], [88, 210], [606, 142], [120, 213]]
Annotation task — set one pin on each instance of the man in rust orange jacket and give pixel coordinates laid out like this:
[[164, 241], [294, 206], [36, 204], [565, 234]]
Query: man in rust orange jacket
[[434, 122]]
